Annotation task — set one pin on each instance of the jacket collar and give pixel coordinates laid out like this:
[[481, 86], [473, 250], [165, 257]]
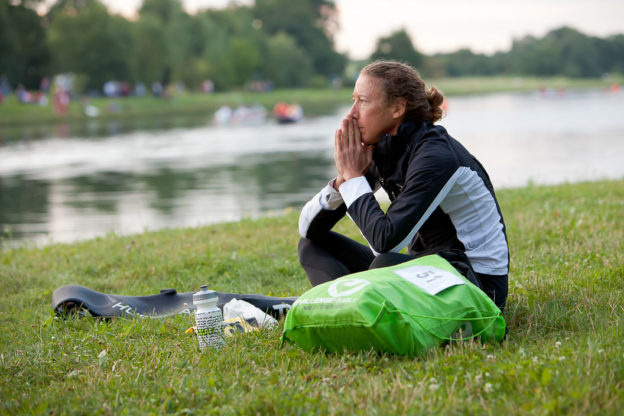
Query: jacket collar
[[390, 145]]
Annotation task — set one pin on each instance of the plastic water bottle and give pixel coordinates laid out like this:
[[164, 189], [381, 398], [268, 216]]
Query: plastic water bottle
[[208, 319]]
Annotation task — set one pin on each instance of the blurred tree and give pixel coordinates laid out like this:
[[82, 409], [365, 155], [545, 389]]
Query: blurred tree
[[179, 34], [215, 42], [562, 51], [24, 55], [398, 46], [616, 52], [216, 29], [84, 39], [234, 46], [311, 23], [173, 46], [285, 63], [165, 10], [150, 57], [244, 59], [195, 67], [464, 62]]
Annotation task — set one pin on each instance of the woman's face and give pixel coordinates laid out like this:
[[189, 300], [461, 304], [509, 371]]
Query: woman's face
[[375, 116]]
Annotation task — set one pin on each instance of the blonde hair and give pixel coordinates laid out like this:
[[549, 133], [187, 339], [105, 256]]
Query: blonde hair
[[402, 81]]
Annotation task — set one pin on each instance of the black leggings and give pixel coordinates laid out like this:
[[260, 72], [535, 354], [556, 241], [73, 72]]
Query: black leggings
[[335, 255]]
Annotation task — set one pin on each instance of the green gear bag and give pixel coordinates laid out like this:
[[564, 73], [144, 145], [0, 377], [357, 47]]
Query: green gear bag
[[404, 309]]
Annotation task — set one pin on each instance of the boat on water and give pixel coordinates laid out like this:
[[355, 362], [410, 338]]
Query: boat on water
[[287, 113], [241, 115]]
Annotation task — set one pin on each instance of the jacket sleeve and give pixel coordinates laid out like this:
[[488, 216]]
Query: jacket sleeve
[[324, 210], [428, 179]]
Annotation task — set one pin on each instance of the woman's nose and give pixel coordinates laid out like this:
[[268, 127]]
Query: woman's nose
[[353, 111]]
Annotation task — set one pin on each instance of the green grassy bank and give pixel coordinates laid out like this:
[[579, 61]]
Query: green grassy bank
[[564, 353], [313, 101]]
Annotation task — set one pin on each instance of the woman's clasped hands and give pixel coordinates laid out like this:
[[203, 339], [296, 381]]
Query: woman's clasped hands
[[352, 157]]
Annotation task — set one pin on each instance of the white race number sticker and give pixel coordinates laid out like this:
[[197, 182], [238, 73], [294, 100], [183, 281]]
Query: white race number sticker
[[429, 279]]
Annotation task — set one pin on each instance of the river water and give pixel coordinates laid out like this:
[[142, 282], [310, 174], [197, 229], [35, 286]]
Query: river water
[[73, 183]]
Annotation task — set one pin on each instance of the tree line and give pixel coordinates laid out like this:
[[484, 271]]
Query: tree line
[[282, 42], [563, 51], [271, 43]]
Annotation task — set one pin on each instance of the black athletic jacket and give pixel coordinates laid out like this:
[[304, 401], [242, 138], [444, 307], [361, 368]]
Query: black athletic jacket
[[441, 198]]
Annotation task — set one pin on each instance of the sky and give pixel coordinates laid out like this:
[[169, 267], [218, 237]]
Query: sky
[[484, 26]]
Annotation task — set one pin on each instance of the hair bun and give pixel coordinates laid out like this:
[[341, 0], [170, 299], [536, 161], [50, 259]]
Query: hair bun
[[435, 99]]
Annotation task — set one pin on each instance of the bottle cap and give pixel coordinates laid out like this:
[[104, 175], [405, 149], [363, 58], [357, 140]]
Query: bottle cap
[[204, 294]]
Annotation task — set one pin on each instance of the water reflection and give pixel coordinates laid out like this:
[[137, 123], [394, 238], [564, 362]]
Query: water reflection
[[89, 205], [98, 128], [24, 204]]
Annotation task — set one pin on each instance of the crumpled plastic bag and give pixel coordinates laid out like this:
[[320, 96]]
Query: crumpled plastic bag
[[237, 308]]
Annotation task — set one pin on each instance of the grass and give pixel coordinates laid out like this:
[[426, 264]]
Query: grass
[[313, 101], [564, 353]]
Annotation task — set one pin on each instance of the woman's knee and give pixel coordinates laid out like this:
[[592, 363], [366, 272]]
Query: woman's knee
[[303, 248], [389, 259], [309, 250]]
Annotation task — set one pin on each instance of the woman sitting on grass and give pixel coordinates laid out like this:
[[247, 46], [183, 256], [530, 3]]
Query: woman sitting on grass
[[442, 200]]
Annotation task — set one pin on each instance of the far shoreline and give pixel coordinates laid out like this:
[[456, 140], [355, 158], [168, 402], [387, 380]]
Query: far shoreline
[[313, 101]]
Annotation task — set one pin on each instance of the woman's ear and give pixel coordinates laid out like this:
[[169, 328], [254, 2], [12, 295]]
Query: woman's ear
[[398, 108]]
